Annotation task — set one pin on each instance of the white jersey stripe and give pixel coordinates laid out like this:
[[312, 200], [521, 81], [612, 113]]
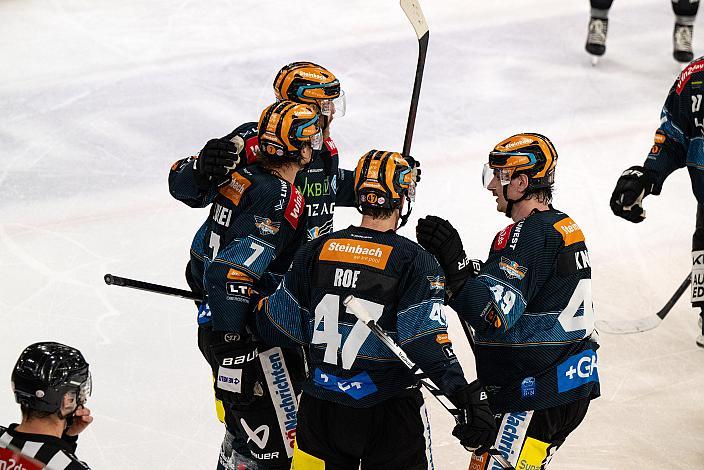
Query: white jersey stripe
[[60, 461], [31, 448], [5, 439]]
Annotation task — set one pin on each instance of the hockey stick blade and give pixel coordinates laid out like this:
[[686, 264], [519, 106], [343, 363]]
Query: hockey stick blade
[[356, 308], [113, 280], [415, 15], [626, 327]]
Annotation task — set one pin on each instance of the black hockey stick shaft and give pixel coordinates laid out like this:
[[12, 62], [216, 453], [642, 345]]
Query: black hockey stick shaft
[[357, 309], [415, 16], [112, 280], [675, 297]]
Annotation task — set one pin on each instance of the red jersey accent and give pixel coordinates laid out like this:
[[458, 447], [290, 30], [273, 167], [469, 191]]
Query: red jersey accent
[[294, 208], [501, 239]]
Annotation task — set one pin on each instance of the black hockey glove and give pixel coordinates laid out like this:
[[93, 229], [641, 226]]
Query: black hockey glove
[[219, 157], [415, 165], [440, 238], [476, 427], [627, 199]]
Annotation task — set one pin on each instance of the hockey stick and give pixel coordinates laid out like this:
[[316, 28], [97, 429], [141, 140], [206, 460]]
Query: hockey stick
[[355, 307], [415, 15], [626, 327], [149, 287]]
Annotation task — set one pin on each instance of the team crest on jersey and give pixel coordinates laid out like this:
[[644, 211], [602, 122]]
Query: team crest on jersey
[[436, 282], [266, 226], [512, 269]]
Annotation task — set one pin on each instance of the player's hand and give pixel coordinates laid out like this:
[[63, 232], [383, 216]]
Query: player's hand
[[440, 238], [476, 427], [627, 199], [415, 165], [219, 157], [81, 420]]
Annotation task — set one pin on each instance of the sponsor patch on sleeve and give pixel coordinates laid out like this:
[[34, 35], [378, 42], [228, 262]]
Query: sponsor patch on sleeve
[[235, 188], [511, 269], [687, 73], [251, 146], [330, 145], [294, 208], [577, 370], [346, 250], [570, 231], [501, 239], [442, 338], [266, 226]]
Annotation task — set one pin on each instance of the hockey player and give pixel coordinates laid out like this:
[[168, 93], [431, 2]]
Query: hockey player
[[195, 181], [530, 306], [678, 143], [360, 404], [52, 383], [255, 225], [685, 14]]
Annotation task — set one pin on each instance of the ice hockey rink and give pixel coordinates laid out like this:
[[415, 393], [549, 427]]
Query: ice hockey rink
[[98, 98]]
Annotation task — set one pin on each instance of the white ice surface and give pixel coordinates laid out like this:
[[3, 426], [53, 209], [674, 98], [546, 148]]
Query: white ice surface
[[98, 98]]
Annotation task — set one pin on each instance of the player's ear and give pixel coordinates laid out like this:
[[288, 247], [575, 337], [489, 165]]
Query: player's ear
[[521, 182]]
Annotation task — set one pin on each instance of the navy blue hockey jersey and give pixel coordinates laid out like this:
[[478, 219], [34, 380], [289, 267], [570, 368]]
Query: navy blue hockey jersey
[[323, 184], [679, 141], [531, 309], [256, 224], [399, 283]]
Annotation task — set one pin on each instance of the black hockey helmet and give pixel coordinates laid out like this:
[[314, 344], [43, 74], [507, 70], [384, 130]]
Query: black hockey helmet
[[51, 377]]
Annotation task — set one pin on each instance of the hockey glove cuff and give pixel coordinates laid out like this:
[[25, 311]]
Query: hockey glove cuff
[[476, 427], [219, 157], [627, 199], [440, 238]]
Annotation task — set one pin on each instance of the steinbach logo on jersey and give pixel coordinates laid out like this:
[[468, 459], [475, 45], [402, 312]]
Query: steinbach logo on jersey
[[266, 226], [512, 269], [687, 74], [236, 188], [346, 250]]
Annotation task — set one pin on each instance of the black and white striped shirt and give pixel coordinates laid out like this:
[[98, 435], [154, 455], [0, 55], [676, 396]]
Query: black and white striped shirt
[[53, 452]]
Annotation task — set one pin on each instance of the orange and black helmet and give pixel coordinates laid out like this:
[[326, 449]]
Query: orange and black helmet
[[526, 153], [306, 82], [383, 179], [285, 127]]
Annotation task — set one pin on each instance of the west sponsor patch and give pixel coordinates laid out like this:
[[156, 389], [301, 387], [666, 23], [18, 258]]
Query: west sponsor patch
[[501, 239], [512, 269], [577, 370], [294, 208], [570, 231], [357, 387], [235, 188], [345, 250], [436, 282], [266, 226]]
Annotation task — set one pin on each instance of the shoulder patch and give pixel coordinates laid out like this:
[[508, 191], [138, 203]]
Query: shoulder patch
[[330, 145], [294, 208], [687, 73], [235, 188], [570, 231], [347, 250], [251, 146], [501, 239]]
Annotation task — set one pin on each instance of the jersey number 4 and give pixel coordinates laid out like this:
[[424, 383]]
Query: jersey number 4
[[328, 313]]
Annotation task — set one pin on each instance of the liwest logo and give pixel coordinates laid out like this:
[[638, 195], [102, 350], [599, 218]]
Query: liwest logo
[[577, 370], [283, 396]]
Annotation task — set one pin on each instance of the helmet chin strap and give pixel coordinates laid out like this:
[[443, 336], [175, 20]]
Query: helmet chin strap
[[511, 202], [404, 217]]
